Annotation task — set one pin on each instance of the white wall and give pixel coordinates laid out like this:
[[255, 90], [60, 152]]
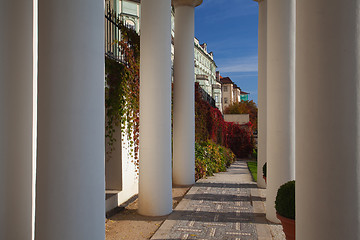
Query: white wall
[[237, 118], [120, 173], [113, 163]]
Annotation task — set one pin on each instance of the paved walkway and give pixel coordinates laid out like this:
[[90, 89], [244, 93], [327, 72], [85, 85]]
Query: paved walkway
[[225, 206]]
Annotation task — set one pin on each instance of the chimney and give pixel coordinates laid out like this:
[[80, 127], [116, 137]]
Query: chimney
[[204, 46]]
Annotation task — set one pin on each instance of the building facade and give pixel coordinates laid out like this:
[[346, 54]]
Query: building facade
[[128, 11], [227, 89], [230, 92], [205, 67], [244, 96], [236, 94]]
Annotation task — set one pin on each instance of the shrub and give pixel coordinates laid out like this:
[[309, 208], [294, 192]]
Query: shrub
[[211, 158], [285, 200], [239, 138], [254, 154], [210, 124], [264, 168], [244, 107], [202, 113]]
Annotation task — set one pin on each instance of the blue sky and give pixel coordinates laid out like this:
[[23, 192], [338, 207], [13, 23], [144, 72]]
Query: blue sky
[[230, 29]]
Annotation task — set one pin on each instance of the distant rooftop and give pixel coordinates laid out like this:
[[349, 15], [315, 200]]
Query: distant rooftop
[[226, 80], [203, 48], [236, 86]]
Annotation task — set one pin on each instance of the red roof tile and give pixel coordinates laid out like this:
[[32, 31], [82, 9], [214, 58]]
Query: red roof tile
[[226, 80]]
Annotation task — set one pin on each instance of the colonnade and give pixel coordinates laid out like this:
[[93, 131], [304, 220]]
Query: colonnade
[[309, 112], [52, 114]]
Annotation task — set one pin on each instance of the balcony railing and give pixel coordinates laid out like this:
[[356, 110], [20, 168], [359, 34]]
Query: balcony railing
[[112, 35], [205, 96]]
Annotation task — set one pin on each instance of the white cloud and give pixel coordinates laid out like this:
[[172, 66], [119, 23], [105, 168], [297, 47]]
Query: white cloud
[[252, 92], [237, 65]]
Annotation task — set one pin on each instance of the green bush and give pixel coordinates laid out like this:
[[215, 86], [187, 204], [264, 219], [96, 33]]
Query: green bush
[[254, 154], [211, 158], [264, 169], [285, 200]]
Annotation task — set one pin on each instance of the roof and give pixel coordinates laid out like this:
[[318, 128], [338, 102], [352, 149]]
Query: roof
[[235, 86], [242, 92], [226, 80]]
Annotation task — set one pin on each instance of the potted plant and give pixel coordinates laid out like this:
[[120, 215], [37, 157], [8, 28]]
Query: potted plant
[[285, 208], [264, 168]]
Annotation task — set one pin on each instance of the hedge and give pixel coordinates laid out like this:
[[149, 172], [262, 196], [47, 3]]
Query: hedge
[[211, 158]]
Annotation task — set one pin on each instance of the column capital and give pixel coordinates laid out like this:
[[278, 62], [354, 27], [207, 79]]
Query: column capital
[[191, 3]]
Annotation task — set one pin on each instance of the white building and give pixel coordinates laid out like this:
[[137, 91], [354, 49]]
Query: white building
[[205, 71]]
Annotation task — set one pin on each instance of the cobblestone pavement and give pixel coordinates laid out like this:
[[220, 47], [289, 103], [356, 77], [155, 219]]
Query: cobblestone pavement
[[226, 206]]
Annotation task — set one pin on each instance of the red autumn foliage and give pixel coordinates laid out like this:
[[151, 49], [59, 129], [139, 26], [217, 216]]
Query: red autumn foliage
[[210, 124]]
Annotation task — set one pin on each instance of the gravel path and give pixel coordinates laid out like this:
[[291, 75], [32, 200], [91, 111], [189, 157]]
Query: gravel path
[[226, 206]]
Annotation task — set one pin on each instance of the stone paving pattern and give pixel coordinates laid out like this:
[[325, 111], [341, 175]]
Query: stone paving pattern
[[226, 206]]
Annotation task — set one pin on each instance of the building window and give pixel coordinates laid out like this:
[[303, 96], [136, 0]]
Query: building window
[[225, 88], [129, 8], [225, 100], [130, 24]]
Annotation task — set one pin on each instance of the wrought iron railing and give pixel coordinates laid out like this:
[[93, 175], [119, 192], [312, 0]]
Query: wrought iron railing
[[112, 35], [205, 96]]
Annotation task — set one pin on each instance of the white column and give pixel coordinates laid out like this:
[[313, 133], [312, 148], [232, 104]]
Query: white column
[[16, 119], [280, 98], [70, 197], [327, 120], [184, 99], [155, 185], [262, 101]]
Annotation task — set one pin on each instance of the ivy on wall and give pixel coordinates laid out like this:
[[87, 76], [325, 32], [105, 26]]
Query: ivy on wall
[[210, 124], [244, 107], [122, 93]]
